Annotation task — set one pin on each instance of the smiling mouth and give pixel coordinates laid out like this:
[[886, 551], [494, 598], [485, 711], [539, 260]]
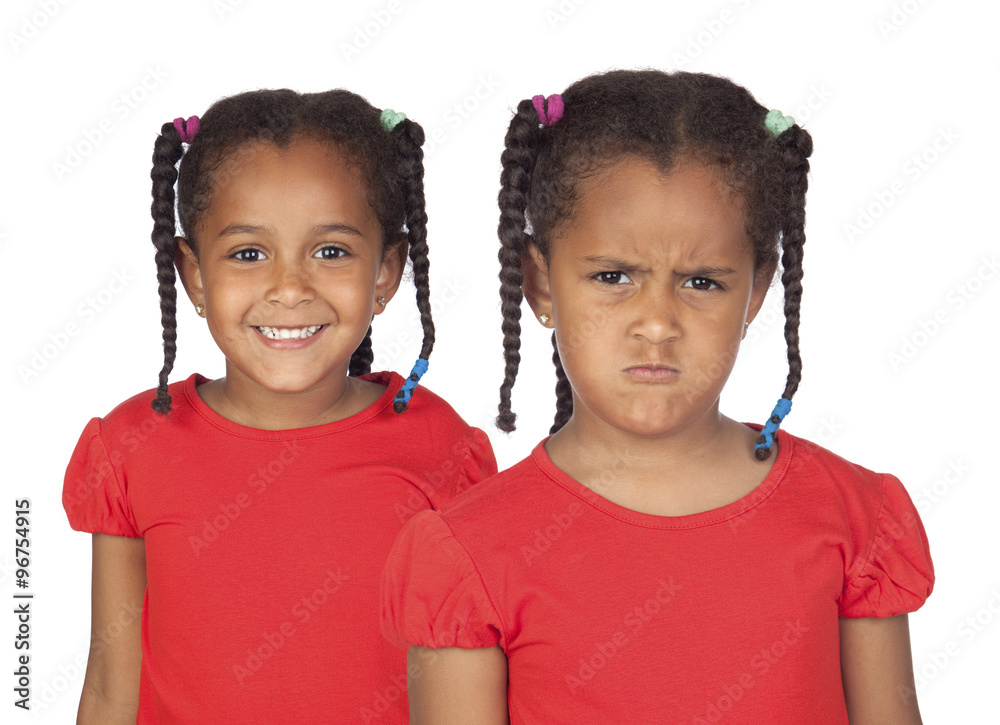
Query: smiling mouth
[[288, 333]]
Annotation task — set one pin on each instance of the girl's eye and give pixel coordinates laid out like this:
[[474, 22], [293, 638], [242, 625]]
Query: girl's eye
[[330, 253], [612, 278], [248, 255], [702, 283]]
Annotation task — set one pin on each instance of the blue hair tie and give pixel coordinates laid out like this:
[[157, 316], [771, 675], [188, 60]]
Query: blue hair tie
[[419, 368], [781, 409]]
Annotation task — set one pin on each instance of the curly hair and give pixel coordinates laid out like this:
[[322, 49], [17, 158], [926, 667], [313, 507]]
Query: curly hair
[[664, 118], [391, 164]]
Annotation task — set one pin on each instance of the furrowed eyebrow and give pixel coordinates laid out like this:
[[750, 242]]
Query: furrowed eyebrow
[[613, 263], [711, 272]]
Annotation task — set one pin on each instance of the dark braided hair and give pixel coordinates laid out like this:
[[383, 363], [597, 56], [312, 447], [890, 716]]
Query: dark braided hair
[[665, 118], [411, 138], [391, 163]]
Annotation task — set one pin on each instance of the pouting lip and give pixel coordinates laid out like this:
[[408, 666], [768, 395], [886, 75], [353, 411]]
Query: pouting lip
[[650, 366]]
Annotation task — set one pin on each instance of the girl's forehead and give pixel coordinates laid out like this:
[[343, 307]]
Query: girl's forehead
[[635, 208]]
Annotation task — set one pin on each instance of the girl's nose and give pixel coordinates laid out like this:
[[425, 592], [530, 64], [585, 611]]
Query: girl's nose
[[289, 284], [656, 315]]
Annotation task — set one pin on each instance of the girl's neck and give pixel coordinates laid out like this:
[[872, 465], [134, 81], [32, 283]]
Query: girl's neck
[[242, 401], [705, 465]]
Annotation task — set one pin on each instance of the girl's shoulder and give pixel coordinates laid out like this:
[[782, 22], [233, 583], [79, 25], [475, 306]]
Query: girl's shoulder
[[811, 464], [136, 413]]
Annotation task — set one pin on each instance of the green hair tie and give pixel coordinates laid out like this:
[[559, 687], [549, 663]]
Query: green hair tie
[[777, 123], [390, 119]]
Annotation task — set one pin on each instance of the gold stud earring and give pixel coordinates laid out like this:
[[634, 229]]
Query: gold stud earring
[[544, 319], [200, 309], [381, 301]]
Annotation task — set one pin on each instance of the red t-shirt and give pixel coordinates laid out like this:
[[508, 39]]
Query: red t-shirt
[[264, 548], [611, 615]]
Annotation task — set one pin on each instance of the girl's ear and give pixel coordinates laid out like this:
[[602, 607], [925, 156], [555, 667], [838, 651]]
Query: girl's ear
[[761, 283], [390, 272], [535, 282], [188, 270]]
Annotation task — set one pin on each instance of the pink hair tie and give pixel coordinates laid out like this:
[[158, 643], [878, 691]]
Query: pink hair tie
[[550, 110], [187, 129]]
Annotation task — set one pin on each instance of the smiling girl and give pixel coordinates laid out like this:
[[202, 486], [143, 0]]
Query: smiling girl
[[653, 561], [250, 522]]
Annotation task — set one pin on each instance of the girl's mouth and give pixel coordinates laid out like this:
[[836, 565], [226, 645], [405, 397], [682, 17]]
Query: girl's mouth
[[288, 333]]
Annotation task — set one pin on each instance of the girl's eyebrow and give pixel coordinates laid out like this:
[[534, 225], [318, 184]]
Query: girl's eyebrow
[[623, 266], [242, 229], [615, 264], [711, 272], [337, 227], [334, 228]]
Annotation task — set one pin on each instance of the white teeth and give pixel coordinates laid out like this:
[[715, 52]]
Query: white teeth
[[289, 333]]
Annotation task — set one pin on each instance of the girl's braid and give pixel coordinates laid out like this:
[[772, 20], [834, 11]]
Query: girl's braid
[[411, 137], [167, 151], [564, 392], [796, 147], [518, 160]]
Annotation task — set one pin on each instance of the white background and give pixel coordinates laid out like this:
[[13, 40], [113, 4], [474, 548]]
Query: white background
[[877, 83]]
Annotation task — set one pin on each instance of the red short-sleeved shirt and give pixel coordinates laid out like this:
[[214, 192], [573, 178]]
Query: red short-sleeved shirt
[[610, 615], [264, 548]]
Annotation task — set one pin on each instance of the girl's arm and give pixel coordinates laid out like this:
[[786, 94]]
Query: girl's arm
[[111, 685], [877, 670], [454, 686]]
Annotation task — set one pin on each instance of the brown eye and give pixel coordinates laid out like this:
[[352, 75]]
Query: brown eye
[[248, 255], [702, 283], [330, 253], [612, 278]]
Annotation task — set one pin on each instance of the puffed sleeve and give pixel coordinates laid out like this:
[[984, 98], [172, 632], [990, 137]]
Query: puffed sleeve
[[896, 574], [479, 463], [93, 493], [432, 594]]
